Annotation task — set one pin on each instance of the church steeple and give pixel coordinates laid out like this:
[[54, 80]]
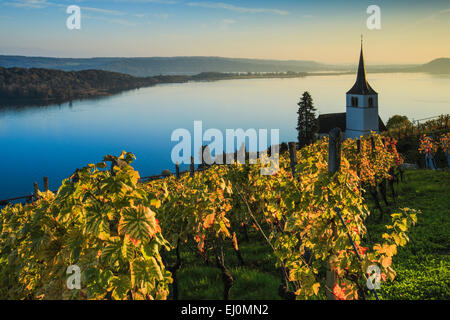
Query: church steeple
[[361, 86], [362, 105]]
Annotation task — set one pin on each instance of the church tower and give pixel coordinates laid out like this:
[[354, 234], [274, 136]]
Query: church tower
[[362, 105]]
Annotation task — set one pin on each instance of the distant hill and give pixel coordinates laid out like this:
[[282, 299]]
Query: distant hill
[[153, 66], [145, 67], [441, 65]]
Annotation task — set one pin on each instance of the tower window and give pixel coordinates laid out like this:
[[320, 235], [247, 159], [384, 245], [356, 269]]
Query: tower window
[[354, 102], [370, 102]]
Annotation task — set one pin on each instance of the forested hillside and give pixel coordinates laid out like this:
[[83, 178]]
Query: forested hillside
[[48, 84], [29, 86]]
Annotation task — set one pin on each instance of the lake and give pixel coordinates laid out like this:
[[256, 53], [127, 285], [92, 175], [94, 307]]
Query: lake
[[55, 140]]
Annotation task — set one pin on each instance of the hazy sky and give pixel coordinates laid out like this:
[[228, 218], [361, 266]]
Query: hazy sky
[[325, 31]]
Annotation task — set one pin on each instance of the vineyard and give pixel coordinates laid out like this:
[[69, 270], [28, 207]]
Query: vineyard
[[435, 125], [408, 138], [133, 240]]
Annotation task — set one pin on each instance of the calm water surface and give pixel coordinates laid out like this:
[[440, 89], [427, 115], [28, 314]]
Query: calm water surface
[[53, 141]]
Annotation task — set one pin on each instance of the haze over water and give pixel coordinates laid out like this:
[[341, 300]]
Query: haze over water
[[55, 140]]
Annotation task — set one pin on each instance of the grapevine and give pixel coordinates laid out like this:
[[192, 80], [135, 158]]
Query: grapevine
[[118, 230]]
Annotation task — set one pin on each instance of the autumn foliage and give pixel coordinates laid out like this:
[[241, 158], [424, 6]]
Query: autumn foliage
[[115, 228]]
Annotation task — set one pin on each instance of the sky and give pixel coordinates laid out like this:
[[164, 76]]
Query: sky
[[326, 31]]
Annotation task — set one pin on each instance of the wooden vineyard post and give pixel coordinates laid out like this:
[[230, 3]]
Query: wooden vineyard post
[[358, 152], [192, 168], [334, 151], [46, 184], [372, 144], [334, 165], [177, 170], [293, 156], [36, 190], [174, 269], [383, 183], [283, 289]]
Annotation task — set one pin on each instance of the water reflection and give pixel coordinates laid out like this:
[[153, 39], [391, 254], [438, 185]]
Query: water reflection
[[38, 141]]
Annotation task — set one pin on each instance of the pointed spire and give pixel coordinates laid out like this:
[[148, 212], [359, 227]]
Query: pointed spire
[[361, 85]]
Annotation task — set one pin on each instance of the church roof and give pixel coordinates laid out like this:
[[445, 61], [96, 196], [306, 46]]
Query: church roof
[[361, 85], [329, 121]]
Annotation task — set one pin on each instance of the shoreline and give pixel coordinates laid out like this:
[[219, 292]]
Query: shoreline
[[164, 79]]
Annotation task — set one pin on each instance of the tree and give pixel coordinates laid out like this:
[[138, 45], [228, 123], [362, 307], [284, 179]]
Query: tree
[[398, 121], [307, 123]]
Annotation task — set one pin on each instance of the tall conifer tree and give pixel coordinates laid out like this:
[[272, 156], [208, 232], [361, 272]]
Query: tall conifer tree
[[307, 123]]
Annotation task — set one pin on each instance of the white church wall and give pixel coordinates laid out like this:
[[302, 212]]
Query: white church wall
[[355, 118], [361, 120], [371, 120]]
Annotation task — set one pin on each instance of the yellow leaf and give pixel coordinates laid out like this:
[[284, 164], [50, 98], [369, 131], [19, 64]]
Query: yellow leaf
[[386, 262], [156, 203], [315, 288], [392, 250], [235, 243], [209, 220]]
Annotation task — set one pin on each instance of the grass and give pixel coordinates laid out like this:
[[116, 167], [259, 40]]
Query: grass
[[422, 266], [257, 280]]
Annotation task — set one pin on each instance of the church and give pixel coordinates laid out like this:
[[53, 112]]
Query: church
[[361, 116]]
